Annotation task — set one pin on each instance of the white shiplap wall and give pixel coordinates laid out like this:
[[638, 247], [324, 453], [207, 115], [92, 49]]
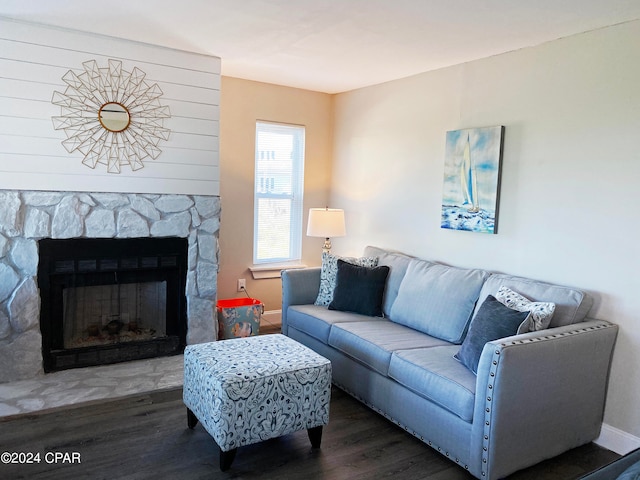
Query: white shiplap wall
[[33, 59]]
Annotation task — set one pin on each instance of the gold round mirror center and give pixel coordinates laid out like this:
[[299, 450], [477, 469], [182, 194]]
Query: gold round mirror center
[[114, 117]]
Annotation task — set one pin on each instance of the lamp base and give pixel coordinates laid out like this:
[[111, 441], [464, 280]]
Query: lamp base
[[327, 246]]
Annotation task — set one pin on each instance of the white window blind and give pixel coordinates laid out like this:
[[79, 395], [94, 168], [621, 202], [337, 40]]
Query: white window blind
[[279, 173]]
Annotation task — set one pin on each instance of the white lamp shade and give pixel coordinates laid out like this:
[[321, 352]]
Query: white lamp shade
[[326, 222]]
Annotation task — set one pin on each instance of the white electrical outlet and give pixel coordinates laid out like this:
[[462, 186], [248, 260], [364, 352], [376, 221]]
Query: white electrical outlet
[[242, 284]]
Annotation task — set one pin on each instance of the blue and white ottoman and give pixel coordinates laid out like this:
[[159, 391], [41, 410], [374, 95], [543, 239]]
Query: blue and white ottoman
[[246, 390]]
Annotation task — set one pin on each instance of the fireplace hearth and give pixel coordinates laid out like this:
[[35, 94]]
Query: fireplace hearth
[[111, 300]]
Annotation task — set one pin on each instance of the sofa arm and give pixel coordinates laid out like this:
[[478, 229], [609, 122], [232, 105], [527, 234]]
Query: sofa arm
[[299, 287], [539, 394]]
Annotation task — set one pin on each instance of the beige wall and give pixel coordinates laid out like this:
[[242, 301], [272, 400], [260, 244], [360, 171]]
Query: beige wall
[[569, 197], [242, 103]]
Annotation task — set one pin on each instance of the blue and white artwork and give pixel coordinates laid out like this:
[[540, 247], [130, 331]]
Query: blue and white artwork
[[472, 179]]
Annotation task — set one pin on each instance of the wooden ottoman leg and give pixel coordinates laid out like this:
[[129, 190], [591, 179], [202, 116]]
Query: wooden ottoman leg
[[315, 435], [226, 458], [192, 420]]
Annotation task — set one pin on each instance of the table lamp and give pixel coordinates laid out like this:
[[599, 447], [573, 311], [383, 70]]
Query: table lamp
[[326, 222]]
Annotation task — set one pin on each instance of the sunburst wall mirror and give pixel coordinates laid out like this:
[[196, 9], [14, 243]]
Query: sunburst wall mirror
[[111, 116]]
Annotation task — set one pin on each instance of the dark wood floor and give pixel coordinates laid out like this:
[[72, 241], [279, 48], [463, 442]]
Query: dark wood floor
[[146, 437], [268, 329]]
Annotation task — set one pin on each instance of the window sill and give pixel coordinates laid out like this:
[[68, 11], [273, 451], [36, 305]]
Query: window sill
[[272, 270]]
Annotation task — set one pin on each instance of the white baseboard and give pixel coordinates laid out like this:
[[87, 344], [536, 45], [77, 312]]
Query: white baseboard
[[271, 317], [617, 440]]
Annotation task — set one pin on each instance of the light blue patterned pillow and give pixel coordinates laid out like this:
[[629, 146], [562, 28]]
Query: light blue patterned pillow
[[540, 313], [329, 272]]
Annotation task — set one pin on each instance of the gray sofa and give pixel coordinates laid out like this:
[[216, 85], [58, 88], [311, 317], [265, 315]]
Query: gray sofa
[[535, 394]]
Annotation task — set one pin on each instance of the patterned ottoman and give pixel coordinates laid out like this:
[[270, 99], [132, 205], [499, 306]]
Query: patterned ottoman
[[246, 390]]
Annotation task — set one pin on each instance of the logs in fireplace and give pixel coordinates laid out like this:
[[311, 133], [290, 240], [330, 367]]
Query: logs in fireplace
[[111, 300]]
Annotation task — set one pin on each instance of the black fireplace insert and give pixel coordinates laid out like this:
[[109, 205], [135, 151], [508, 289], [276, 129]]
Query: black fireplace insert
[[111, 300]]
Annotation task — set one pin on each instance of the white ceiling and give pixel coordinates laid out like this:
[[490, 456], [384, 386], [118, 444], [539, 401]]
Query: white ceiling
[[331, 45]]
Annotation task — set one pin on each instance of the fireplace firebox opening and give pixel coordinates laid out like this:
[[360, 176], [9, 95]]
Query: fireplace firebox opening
[[111, 300]]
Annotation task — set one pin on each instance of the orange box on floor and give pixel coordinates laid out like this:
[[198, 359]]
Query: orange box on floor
[[239, 317]]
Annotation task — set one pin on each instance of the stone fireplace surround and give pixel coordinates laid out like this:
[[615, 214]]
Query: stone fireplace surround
[[28, 216]]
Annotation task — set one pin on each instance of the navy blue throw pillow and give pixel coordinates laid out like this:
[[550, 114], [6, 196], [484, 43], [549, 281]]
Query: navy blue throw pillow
[[359, 289], [493, 321]]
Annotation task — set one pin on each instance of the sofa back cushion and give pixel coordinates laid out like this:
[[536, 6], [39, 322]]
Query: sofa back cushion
[[397, 263], [437, 299], [572, 305]]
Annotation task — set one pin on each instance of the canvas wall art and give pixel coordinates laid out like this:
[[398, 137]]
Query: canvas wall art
[[472, 179]]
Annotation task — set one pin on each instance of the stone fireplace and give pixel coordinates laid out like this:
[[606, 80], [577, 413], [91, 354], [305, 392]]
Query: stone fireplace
[[121, 287]]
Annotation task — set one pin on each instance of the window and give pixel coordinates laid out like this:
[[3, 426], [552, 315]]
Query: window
[[279, 169]]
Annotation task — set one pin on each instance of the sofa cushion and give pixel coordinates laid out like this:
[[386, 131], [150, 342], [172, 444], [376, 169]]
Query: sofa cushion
[[316, 320], [493, 321], [437, 299], [397, 263], [372, 343], [329, 271], [359, 289], [572, 305], [540, 313], [434, 374]]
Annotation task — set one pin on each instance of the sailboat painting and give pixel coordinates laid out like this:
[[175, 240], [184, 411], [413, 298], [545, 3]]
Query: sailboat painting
[[472, 179]]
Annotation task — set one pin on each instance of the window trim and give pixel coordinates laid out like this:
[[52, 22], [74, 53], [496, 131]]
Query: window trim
[[297, 206], [273, 270]]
